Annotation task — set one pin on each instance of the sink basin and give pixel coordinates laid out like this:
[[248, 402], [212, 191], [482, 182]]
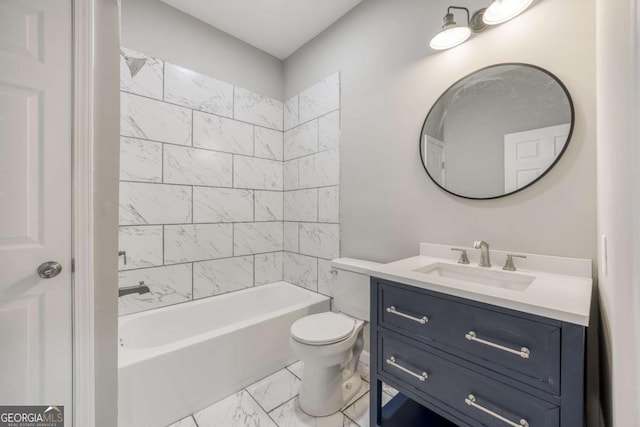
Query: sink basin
[[478, 276]]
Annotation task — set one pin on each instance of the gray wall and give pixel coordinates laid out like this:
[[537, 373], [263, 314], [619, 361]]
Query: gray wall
[[390, 78], [159, 30], [618, 177], [106, 169]]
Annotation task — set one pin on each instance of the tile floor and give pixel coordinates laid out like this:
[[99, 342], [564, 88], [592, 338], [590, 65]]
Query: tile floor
[[273, 402]]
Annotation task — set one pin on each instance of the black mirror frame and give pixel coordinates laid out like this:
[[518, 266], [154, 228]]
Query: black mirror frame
[[564, 148]]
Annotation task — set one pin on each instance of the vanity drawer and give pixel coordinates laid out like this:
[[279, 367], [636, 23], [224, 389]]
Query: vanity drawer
[[524, 349], [482, 399]]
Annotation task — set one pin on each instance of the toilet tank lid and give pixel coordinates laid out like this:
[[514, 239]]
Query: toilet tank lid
[[355, 265]]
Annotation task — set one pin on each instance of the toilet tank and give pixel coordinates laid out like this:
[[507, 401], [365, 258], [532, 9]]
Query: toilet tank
[[350, 287]]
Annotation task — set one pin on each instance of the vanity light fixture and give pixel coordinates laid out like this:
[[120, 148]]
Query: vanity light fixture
[[453, 34], [503, 10]]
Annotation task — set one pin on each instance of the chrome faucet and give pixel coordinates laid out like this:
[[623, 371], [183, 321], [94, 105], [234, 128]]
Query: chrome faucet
[[485, 260], [140, 288]]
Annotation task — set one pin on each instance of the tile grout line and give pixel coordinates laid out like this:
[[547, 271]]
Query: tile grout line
[[232, 117], [260, 406], [226, 187], [205, 260], [283, 403]]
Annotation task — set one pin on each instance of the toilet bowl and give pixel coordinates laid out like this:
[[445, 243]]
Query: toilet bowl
[[330, 344]]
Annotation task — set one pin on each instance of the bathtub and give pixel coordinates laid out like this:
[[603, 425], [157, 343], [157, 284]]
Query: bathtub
[[176, 360]]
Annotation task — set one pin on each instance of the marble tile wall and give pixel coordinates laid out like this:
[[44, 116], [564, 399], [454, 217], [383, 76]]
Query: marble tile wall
[[311, 182], [201, 191]]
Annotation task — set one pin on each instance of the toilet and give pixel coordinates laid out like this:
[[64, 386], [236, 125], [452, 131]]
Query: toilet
[[330, 344]]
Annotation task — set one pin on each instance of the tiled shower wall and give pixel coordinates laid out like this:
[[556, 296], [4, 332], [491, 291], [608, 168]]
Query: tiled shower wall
[[311, 184], [206, 181], [201, 185]]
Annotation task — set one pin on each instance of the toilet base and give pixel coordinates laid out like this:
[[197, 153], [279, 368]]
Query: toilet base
[[324, 392]]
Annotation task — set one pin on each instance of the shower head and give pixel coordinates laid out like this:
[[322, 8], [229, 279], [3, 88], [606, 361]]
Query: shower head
[[134, 64]]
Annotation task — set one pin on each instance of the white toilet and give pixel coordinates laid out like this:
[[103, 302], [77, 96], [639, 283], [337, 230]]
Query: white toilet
[[330, 344]]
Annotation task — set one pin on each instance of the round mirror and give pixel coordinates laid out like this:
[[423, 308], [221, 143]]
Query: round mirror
[[496, 131]]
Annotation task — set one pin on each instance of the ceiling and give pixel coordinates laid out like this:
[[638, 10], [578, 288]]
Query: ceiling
[[278, 27]]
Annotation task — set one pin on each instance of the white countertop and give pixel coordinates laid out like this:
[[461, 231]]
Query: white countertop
[[564, 297]]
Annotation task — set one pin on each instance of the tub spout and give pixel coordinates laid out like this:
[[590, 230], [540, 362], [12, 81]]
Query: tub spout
[[140, 289]]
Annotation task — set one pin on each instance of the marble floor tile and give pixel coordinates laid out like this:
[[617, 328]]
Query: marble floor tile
[[290, 415], [275, 389], [389, 390], [363, 390], [296, 368], [237, 410], [185, 422], [359, 410]]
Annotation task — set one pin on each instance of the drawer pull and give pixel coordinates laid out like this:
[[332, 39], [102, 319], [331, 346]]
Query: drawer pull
[[422, 320], [524, 352], [471, 401], [392, 361]]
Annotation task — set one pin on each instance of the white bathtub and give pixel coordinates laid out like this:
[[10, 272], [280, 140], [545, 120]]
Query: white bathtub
[[176, 360]]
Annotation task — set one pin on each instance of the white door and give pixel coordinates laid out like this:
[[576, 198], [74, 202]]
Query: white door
[[35, 202], [528, 154], [434, 155]]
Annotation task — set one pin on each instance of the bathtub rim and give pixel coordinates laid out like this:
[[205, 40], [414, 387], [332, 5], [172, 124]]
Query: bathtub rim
[[128, 356]]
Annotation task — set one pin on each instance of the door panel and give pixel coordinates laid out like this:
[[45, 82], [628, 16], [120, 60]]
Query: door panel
[[35, 199], [434, 154], [529, 154]]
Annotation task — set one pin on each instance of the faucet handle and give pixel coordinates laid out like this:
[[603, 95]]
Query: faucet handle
[[508, 265], [464, 259], [123, 253]]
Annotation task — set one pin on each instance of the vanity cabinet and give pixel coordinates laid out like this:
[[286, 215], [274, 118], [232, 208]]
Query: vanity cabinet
[[473, 364]]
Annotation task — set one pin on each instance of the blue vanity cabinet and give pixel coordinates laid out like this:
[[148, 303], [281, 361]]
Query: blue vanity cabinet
[[473, 364]]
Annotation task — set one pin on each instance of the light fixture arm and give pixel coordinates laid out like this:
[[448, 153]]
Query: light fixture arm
[[459, 8]]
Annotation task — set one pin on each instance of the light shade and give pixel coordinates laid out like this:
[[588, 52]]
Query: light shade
[[450, 37], [503, 10]]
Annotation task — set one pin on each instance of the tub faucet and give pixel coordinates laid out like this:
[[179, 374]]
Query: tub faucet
[[485, 261], [140, 288]]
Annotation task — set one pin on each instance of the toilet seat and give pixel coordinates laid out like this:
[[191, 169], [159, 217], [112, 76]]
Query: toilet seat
[[322, 329]]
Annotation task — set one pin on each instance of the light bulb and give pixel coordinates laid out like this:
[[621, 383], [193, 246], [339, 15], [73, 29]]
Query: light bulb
[[450, 37], [503, 10]]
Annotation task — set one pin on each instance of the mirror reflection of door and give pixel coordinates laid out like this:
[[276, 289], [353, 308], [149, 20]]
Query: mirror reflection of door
[[434, 155], [529, 154]]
